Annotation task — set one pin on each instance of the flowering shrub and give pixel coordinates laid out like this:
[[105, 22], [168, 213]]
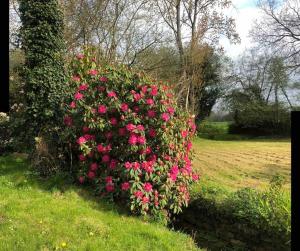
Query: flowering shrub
[[131, 139]]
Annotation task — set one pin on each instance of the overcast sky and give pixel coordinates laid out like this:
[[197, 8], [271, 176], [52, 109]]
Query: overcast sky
[[244, 13]]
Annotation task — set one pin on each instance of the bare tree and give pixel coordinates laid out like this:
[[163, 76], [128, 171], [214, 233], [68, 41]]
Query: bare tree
[[121, 29], [197, 26], [263, 77], [279, 29]]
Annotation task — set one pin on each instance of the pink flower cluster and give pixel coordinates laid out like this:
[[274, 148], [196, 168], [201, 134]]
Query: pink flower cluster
[[131, 138]]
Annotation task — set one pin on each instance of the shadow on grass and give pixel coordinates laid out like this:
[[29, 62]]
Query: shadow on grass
[[17, 169]]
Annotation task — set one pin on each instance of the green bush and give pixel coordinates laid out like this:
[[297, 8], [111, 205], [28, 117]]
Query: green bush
[[255, 218], [132, 141], [261, 119]]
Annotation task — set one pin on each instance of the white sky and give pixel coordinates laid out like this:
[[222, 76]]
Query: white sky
[[244, 13]]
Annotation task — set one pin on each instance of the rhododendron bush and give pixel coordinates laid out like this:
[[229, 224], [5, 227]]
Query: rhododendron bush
[[132, 141]]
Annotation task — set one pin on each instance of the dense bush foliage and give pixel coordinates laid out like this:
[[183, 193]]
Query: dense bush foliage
[[42, 42], [131, 139], [255, 218], [262, 120]]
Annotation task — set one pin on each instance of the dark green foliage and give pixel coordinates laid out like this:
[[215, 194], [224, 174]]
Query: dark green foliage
[[247, 218], [261, 119], [42, 41], [211, 90]]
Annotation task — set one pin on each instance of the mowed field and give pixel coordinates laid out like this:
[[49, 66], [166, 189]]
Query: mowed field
[[244, 163]]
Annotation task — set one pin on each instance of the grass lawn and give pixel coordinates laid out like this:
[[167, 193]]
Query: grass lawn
[[242, 163], [51, 215]]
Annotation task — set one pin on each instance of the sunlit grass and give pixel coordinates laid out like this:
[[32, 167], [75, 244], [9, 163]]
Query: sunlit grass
[[54, 215], [243, 163]]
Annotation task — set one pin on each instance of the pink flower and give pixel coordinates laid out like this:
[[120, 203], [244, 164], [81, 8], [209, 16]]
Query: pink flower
[[112, 94], [137, 97], [145, 200], [113, 121], [174, 172], [107, 148], [195, 177], [76, 78], [81, 157], [93, 72], [93, 166], [141, 140], [165, 116], [125, 186], [102, 109], [113, 163], [108, 135], [78, 96], [91, 175], [152, 157], [135, 165], [152, 133], [108, 179], [68, 120], [150, 101], [189, 146], [147, 166], [100, 148], [132, 139], [193, 126], [184, 133], [73, 105], [79, 56], [122, 131], [85, 129], [130, 127], [147, 187], [128, 165], [136, 108], [154, 91], [124, 107], [81, 140], [105, 158], [140, 127], [167, 157], [151, 113], [171, 110], [89, 137], [173, 176], [103, 79], [110, 187], [83, 87], [81, 179], [144, 89], [148, 150], [138, 194]]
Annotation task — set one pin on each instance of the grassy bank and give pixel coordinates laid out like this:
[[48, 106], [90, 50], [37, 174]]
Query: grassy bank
[[55, 215], [237, 205]]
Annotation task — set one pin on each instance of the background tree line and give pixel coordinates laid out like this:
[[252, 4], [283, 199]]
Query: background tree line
[[178, 41]]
